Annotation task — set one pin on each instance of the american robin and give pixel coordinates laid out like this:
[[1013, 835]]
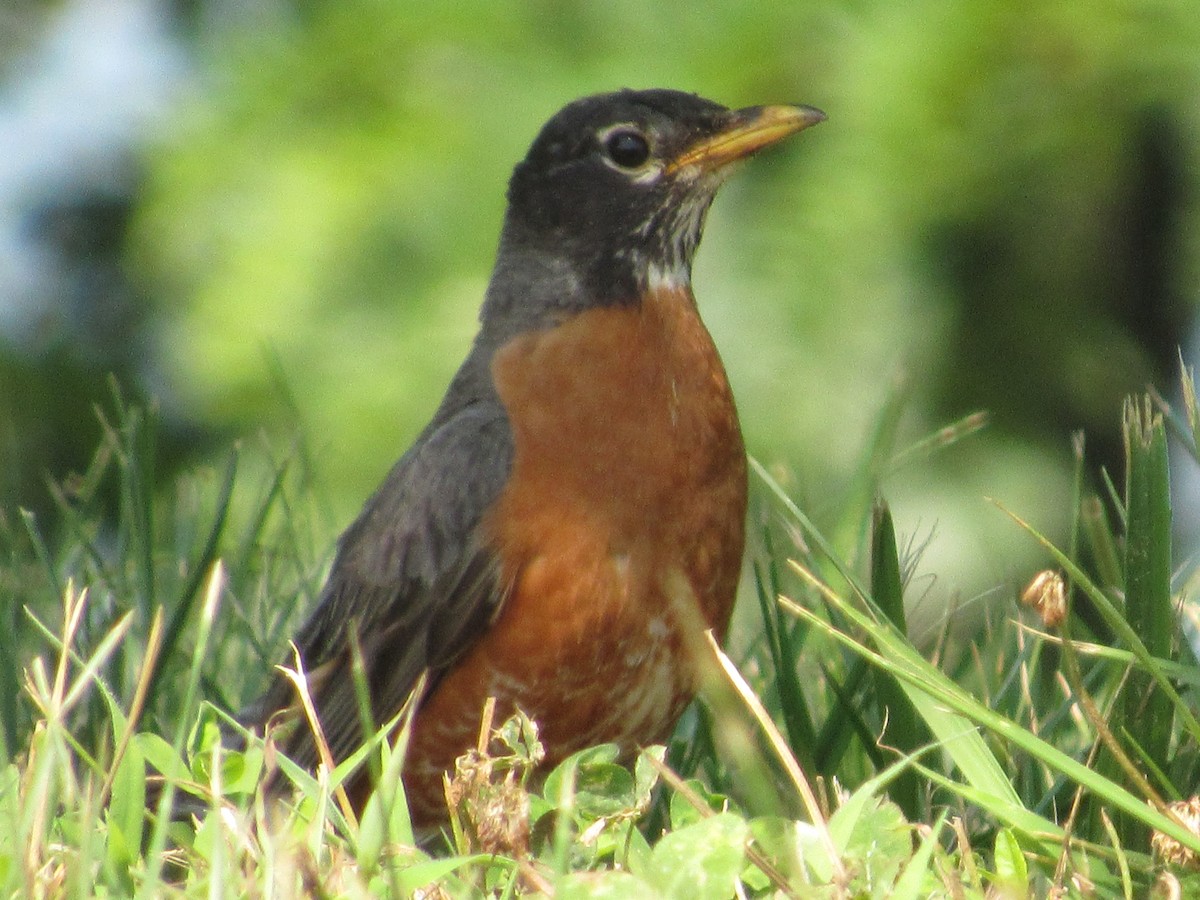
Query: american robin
[[577, 502]]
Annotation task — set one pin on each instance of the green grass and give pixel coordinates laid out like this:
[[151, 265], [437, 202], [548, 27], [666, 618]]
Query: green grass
[[829, 758]]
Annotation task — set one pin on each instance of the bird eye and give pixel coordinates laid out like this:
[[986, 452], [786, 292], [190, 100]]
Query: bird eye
[[627, 149]]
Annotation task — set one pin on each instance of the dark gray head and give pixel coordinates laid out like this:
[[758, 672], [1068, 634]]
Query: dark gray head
[[612, 196]]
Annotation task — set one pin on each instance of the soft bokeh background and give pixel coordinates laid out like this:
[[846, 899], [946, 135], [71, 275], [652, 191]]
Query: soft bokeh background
[[277, 220]]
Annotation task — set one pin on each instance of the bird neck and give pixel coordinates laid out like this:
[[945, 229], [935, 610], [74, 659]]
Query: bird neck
[[537, 284], [669, 275]]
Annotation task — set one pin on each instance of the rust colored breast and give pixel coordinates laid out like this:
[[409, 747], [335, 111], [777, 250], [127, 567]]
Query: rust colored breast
[[629, 471]]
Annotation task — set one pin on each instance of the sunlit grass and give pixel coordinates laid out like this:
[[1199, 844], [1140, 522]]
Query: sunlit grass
[[828, 755]]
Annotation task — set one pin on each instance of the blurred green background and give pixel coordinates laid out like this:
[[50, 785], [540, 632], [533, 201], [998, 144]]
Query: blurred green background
[[291, 237]]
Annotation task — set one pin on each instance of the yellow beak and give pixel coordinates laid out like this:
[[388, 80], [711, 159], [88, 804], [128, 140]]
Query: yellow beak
[[749, 131]]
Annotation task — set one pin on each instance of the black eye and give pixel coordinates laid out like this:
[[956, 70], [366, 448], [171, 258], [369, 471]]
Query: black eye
[[627, 149]]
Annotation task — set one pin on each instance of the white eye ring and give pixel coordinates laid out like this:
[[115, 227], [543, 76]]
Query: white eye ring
[[627, 148]]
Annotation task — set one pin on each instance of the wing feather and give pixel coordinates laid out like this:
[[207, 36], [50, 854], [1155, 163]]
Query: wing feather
[[412, 576]]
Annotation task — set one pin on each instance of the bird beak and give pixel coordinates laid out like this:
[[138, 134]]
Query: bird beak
[[748, 131]]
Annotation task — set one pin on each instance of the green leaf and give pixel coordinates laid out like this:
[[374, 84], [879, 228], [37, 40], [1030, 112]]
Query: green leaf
[[601, 787], [875, 835], [372, 832], [1148, 712], [923, 683], [603, 886], [905, 730], [632, 851], [682, 811], [240, 771], [162, 756], [603, 790], [120, 852], [413, 877], [702, 861], [887, 587], [1012, 871], [775, 837], [10, 816], [918, 879], [127, 808], [126, 819], [645, 775]]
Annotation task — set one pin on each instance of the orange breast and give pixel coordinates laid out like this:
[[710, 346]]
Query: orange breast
[[629, 472]]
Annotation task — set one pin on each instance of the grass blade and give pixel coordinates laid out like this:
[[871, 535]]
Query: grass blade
[[904, 728], [1146, 711]]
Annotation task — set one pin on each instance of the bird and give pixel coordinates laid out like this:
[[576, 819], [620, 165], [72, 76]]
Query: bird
[[574, 512]]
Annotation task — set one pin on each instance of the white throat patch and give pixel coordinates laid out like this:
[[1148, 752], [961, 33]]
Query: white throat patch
[[672, 278]]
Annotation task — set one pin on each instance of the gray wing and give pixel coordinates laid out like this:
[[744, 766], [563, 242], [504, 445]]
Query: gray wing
[[412, 577]]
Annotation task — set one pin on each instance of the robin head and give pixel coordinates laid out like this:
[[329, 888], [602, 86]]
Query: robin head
[[611, 198]]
